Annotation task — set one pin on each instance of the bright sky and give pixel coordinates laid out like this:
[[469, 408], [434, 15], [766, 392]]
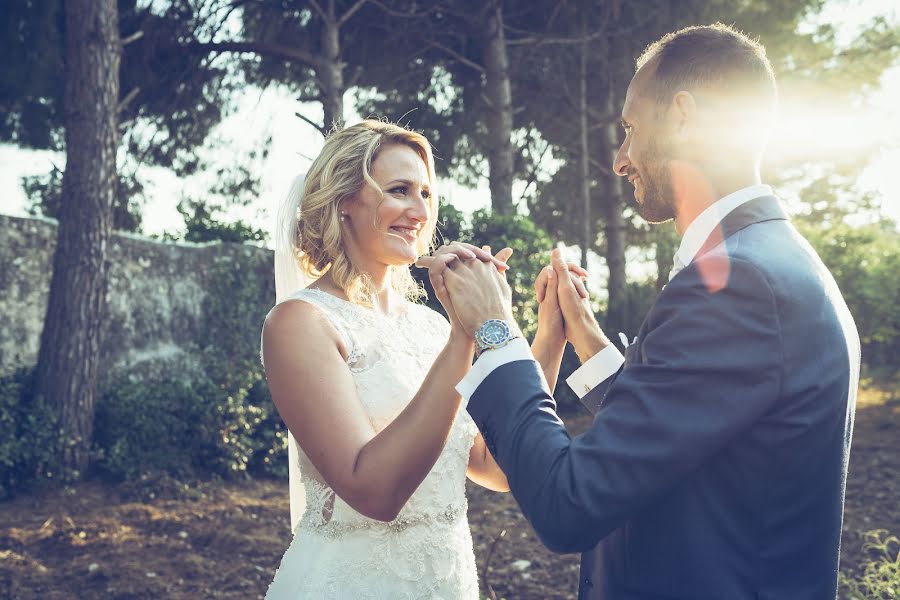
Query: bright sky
[[295, 143]]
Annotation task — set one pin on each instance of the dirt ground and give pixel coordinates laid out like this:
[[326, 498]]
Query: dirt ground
[[218, 540]]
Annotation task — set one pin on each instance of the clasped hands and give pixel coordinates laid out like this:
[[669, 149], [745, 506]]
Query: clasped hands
[[471, 285]]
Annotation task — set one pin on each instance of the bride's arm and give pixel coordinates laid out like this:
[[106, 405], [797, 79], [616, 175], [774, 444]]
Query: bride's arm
[[311, 385], [483, 469], [549, 354]]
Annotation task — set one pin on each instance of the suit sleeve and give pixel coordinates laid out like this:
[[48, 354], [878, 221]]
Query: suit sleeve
[[710, 366]]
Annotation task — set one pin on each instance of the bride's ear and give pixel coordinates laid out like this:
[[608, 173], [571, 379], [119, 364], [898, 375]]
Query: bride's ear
[[345, 207]]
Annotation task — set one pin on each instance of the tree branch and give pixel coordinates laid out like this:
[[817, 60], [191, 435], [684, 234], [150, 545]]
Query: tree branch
[[132, 38], [351, 11], [319, 128], [231, 8], [318, 8], [260, 48], [354, 77], [532, 176], [404, 15], [541, 40], [453, 53], [128, 98]]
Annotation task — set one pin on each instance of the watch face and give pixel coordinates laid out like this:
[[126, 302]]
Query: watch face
[[494, 332]]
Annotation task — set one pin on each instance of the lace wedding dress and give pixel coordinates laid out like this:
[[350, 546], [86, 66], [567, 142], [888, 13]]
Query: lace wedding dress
[[426, 552]]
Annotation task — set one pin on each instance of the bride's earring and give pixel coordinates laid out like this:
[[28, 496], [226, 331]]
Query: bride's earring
[[343, 217]]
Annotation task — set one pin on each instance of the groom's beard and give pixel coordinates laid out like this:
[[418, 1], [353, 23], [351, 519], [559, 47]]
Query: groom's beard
[[658, 205]]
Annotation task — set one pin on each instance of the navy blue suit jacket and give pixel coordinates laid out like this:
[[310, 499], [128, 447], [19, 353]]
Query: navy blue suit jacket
[[715, 466]]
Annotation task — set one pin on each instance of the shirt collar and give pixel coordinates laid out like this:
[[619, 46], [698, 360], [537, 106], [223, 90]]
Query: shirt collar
[[700, 228]]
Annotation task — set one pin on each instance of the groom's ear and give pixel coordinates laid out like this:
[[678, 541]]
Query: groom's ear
[[683, 113]]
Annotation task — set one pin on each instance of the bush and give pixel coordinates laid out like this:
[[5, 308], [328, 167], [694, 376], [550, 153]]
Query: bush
[[253, 435], [865, 261], [269, 455], [187, 430], [144, 427], [28, 434], [880, 579]]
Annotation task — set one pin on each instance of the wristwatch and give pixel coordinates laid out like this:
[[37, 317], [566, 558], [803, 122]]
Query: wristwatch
[[494, 333]]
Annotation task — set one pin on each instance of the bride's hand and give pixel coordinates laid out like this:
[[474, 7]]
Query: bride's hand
[[456, 328]]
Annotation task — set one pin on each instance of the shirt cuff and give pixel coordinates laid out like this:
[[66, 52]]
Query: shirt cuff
[[595, 371], [517, 349]]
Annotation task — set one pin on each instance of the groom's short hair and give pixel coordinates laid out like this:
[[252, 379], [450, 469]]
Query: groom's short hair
[[714, 61]]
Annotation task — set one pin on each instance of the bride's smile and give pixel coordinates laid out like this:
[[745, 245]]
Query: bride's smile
[[386, 222]]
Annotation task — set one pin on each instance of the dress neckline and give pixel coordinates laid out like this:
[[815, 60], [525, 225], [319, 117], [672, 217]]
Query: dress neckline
[[368, 310]]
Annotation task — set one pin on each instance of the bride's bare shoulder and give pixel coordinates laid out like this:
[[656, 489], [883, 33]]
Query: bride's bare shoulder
[[298, 323]]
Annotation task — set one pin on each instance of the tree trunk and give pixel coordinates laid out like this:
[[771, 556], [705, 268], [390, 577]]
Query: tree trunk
[[614, 227], [70, 342], [499, 112], [332, 73], [587, 231]]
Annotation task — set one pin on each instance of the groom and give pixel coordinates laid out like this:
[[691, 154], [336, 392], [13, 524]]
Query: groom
[[715, 467]]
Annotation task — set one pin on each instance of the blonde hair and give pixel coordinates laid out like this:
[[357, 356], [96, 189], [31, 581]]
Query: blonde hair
[[338, 174]]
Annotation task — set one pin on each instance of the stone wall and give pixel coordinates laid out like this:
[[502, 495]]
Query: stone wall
[[162, 299]]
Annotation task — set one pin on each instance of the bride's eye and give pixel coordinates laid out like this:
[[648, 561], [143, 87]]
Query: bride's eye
[[400, 189]]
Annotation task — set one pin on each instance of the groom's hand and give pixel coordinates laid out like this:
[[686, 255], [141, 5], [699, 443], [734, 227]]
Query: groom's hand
[[581, 326], [551, 329]]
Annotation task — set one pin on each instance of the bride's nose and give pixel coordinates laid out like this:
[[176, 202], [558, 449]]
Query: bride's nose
[[420, 209]]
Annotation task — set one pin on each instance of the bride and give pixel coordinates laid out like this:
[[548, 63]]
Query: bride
[[364, 378]]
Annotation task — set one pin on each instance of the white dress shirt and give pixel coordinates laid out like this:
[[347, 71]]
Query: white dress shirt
[[606, 362]]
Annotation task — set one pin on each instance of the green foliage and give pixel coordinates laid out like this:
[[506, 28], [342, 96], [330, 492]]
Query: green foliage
[[31, 86], [865, 261], [204, 223], [880, 577], [155, 426], [185, 430], [269, 455], [234, 184], [231, 359], [175, 95], [28, 442]]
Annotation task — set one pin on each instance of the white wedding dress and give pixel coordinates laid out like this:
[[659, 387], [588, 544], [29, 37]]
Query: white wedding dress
[[426, 552]]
